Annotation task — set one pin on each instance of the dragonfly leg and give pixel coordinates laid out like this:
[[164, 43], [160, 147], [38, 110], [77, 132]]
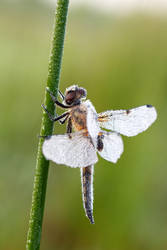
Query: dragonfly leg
[[52, 118], [54, 99]]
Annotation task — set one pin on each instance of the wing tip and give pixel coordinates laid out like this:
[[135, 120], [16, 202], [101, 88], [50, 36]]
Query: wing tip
[[120, 154], [153, 112], [149, 105]]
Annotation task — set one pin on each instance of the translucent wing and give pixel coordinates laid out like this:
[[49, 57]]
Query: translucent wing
[[76, 151], [92, 122], [128, 122], [112, 146]]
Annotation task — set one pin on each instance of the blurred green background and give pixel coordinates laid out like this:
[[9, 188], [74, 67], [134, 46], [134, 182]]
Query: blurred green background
[[122, 62]]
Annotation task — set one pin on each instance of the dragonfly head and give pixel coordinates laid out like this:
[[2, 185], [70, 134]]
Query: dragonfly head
[[74, 94]]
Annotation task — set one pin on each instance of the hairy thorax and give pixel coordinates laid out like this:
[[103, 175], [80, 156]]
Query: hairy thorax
[[78, 117]]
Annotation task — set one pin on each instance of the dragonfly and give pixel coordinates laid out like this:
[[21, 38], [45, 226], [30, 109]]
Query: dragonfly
[[89, 133]]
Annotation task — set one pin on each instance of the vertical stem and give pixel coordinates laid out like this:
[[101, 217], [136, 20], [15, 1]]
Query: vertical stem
[[42, 165]]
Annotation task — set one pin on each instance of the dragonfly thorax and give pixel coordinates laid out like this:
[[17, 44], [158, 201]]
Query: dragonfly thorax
[[78, 117]]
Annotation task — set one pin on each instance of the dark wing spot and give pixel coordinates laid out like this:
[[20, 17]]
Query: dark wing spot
[[128, 111], [100, 142], [149, 106]]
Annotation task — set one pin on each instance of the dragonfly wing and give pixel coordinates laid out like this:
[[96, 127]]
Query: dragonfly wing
[[74, 151], [128, 122], [92, 122], [112, 146]]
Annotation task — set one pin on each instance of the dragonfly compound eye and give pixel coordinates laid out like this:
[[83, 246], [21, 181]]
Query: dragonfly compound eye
[[70, 97]]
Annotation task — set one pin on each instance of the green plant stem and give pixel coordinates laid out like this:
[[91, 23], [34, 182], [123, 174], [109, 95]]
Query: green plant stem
[[42, 165]]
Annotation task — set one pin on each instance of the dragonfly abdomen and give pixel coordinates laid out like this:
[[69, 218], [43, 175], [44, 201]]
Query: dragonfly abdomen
[[87, 191]]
